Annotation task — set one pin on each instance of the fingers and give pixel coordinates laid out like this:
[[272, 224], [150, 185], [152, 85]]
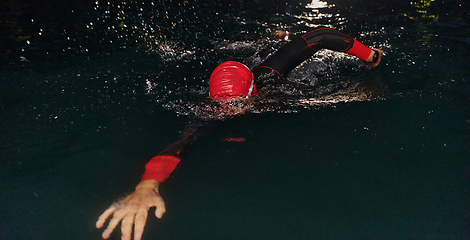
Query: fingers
[[131, 215], [139, 225], [126, 226], [381, 53], [379, 50], [134, 213], [102, 218], [118, 216]]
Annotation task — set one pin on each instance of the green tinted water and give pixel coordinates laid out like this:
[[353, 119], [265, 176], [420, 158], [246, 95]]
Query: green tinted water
[[79, 124]]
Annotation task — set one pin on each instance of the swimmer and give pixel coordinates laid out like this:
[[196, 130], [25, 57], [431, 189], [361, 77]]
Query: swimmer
[[229, 82]]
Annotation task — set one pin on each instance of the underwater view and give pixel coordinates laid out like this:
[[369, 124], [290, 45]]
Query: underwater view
[[92, 90]]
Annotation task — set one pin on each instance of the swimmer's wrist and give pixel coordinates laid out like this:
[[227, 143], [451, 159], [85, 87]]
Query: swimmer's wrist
[[154, 184]]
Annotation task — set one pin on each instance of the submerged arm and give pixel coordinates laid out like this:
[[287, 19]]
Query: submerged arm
[[133, 209]]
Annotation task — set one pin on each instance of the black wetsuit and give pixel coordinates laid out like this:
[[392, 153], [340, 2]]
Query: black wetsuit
[[298, 50]]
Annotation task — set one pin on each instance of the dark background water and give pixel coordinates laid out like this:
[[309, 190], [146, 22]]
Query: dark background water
[[84, 103]]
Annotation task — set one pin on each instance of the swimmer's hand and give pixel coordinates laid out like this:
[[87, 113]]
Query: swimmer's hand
[[284, 35], [371, 58], [133, 210]]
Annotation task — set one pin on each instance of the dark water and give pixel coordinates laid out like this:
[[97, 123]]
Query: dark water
[[90, 91]]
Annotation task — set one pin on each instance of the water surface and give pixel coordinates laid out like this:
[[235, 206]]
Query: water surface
[[92, 90]]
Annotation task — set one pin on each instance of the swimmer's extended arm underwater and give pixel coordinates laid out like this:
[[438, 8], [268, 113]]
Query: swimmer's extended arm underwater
[[132, 211]]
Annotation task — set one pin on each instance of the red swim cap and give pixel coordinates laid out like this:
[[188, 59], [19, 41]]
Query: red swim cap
[[230, 80]]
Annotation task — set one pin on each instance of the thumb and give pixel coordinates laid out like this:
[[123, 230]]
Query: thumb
[[159, 213], [160, 209]]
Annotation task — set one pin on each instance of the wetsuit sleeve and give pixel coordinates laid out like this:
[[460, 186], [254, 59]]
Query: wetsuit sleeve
[[161, 166], [305, 46]]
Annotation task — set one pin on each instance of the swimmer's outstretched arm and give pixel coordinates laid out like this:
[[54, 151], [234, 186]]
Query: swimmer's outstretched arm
[[284, 35], [133, 209], [303, 47]]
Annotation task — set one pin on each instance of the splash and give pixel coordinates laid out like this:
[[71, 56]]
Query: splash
[[168, 51], [326, 79], [188, 55], [212, 109]]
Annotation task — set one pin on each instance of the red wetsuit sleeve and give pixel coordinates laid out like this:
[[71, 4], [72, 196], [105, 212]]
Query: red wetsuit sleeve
[[360, 50], [160, 167]]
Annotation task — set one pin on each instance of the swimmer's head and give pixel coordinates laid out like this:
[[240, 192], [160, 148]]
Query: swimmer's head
[[231, 80]]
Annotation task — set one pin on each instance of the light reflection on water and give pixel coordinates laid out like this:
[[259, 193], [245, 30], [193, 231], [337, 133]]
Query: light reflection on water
[[308, 17]]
